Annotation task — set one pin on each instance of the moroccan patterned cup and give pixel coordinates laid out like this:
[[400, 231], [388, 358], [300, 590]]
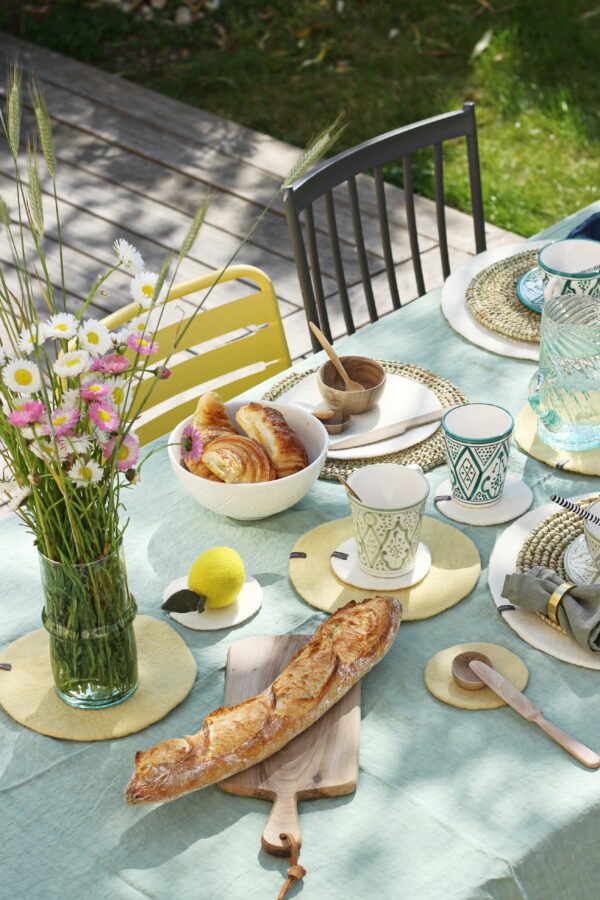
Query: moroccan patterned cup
[[477, 437], [387, 519], [564, 268], [592, 535]]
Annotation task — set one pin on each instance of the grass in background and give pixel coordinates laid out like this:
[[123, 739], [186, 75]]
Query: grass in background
[[287, 68]]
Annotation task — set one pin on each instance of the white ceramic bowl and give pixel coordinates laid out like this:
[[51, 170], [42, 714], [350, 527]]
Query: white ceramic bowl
[[257, 501]]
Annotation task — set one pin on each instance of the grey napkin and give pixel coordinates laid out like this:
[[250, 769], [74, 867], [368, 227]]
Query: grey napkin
[[578, 613]]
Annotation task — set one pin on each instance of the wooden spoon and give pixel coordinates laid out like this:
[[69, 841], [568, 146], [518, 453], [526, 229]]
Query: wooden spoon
[[481, 670], [348, 383]]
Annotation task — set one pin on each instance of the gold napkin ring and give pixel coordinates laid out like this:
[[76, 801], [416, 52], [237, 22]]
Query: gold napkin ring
[[556, 599]]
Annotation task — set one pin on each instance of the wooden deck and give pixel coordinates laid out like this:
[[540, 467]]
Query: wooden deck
[[135, 164]]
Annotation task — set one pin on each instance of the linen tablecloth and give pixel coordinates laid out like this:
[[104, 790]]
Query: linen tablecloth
[[450, 804]]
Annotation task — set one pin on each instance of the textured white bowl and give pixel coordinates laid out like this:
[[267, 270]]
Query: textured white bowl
[[257, 501]]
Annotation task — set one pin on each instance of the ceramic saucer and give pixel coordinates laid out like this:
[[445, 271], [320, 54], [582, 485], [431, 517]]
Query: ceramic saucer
[[349, 571], [248, 602], [516, 500], [530, 290], [578, 563]]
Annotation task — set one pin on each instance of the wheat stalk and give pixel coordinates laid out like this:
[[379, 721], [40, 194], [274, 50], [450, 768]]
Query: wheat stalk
[[35, 190], [14, 108], [44, 126], [4, 213], [192, 233], [316, 148]]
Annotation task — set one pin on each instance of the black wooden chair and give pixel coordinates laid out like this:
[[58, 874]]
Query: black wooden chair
[[321, 253]]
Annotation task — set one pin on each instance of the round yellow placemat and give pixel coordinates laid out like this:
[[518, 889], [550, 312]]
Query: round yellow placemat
[[586, 462], [440, 682], [455, 568], [167, 671]]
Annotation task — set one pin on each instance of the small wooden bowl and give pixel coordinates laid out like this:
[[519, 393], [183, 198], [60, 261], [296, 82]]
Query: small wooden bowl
[[359, 368]]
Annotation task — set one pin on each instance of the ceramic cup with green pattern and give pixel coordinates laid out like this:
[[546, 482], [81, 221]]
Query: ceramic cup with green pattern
[[477, 438], [571, 266], [592, 534], [387, 519]]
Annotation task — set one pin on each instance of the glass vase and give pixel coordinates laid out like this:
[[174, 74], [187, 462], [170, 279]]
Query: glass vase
[[89, 615], [565, 390]]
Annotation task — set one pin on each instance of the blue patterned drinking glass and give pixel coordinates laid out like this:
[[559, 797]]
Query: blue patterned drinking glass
[[477, 438], [565, 390]]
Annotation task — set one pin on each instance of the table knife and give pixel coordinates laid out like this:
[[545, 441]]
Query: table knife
[[387, 431], [519, 702]]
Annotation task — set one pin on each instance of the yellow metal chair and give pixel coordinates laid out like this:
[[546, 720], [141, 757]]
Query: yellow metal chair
[[263, 348]]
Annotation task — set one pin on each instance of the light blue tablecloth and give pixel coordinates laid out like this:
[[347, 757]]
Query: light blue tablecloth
[[450, 804]]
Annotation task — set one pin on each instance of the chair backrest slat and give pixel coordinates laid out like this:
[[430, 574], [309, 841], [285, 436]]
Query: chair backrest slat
[[440, 207], [370, 228], [360, 250], [338, 263], [384, 228], [315, 271], [411, 220], [252, 347]]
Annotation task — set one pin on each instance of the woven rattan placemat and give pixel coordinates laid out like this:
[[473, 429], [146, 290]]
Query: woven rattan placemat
[[546, 545], [492, 299], [428, 454]]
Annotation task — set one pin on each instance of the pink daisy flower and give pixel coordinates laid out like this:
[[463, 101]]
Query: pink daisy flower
[[141, 345], [127, 454], [111, 364], [191, 444], [94, 390], [104, 415], [29, 413], [62, 422]]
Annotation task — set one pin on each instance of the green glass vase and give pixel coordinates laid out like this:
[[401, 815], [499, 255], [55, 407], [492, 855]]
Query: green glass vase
[[89, 615]]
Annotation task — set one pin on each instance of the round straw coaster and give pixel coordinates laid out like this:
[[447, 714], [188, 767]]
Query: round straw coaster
[[455, 568], [167, 671], [492, 299], [428, 454], [586, 462], [440, 682]]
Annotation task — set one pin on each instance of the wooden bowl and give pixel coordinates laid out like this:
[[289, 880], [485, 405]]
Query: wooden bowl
[[359, 368]]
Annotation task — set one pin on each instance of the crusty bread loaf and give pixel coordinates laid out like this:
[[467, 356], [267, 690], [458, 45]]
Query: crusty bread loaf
[[268, 426], [232, 739]]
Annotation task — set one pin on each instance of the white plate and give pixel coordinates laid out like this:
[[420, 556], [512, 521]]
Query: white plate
[[528, 625], [458, 314], [402, 399], [248, 602], [349, 571], [579, 565], [516, 499]]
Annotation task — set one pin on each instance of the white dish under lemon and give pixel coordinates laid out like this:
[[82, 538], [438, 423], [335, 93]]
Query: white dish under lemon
[[402, 399], [248, 602], [256, 501]]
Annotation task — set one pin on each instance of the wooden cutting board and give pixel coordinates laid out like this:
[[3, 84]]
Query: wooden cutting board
[[320, 762]]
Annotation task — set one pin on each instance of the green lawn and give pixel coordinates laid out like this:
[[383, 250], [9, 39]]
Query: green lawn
[[287, 67]]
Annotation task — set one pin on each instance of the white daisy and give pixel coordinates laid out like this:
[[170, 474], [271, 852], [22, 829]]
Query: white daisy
[[17, 496], [22, 376], [118, 391], [128, 256], [30, 338], [43, 448], [85, 472], [69, 365], [94, 337], [143, 287], [79, 444], [70, 399], [62, 325]]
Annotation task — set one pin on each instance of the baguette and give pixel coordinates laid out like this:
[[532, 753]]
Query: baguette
[[343, 649]]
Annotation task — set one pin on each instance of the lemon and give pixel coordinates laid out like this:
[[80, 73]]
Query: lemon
[[218, 574]]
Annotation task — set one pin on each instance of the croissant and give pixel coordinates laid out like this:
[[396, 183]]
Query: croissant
[[268, 426], [210, 413], [238, 460], [343, 649]]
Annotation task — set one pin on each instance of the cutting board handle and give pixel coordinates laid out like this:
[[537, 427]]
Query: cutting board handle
[[282, 818]]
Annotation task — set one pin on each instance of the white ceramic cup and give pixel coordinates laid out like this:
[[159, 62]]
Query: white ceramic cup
[[592, 534], [477, 438], [387, 519], [563, 266]]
